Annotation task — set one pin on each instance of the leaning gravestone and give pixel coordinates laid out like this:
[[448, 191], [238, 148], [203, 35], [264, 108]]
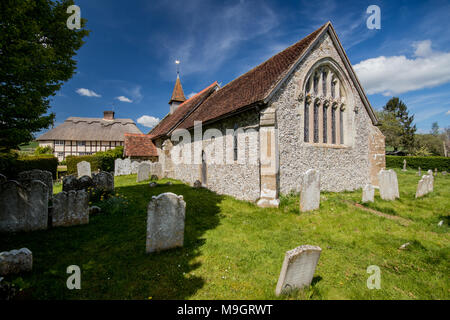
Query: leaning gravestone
[[298, 268], [165, 222], [70, 208], [368, 193], [143, 172], [23, 208], [310, 191], [15, 261], [46, 177], [388, 184], [84, 169], [3, 179], [423, 186], [103, 181]]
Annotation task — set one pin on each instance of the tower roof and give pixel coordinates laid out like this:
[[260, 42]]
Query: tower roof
[[178, 94]]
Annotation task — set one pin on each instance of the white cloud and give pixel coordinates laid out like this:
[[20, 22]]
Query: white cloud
[[135, 93], [148, 121], [87, 93], [448, 113], [398, 74], [124, 99]]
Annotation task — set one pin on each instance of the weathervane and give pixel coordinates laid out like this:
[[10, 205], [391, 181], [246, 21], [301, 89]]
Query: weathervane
[[177, 62]]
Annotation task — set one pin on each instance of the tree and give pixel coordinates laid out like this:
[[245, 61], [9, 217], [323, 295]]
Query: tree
[[400, 111], [43, 150], [391, 128], [36, 57], [435, 129], [430, 142]]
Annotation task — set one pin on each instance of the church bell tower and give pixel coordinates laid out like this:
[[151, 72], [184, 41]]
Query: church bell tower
[[177, 94]]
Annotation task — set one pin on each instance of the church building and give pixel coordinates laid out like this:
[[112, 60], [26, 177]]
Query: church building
[[255, 137]]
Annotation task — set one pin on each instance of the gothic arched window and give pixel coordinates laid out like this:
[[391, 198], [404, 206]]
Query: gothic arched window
[[324, 94]]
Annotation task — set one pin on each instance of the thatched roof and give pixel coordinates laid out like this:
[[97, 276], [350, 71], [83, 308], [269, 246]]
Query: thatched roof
[[91, 129]]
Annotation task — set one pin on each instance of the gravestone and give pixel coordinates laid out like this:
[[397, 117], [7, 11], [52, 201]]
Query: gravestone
[[388, 182], [70, 183], [420, 172], [430, 182], [143, 172], [423, 186], [197, 184], [435, 171], [310, 191], [70, 208], [368, 193], [134, 167], [298, 268], [46, 177], [404, 165], [23, 208], [122, 167], [84, 169], [3, 179], [103, 181], [16, 261], [85, 182], [165, 222], [444, 173]]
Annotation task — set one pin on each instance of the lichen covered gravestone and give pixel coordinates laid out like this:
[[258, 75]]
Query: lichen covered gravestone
[[84, 169], [310, 191], [298, 268], [103, 181], [23, 208], [368, 193], [143, 172], [16, 261], [26, 177], [388, 185], [70, 208], [122, 167], [165, 222]]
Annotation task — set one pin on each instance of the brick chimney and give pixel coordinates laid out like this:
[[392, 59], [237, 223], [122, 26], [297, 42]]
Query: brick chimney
[[108, 115]]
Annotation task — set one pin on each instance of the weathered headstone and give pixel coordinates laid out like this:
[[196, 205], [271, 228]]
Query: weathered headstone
[[143, 172], [430, 182], [3, 179], [103, 181], [310, 191], [388, 185], [23, 208], [298, 268], [122, 167], [404, 165], [16, 261], [423, 186], [165, 222], [368, 193], [70, 208], [70, 183], [197, 184], [435, 171], [85, 182], [84, 169], [420, 172], [46, 177]]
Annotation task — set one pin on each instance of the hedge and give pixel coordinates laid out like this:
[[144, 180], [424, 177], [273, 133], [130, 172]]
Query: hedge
[[11, 165], [425, 163], [103, 161]]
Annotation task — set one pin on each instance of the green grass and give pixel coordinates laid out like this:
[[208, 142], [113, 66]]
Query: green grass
[[234, 250]]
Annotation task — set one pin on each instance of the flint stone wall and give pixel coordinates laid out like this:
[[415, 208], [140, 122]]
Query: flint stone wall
[[16, 261], [165, 222], [342, 168], [46, 177], [70, 208], [23, 208]]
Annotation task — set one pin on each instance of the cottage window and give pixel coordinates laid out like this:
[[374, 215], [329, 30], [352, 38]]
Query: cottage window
[[325, 94], [81, 143], [59, 142]]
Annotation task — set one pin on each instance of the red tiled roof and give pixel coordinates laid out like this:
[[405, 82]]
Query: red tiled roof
[[139, 145], [252, 87], [177, 94], [169, 122]]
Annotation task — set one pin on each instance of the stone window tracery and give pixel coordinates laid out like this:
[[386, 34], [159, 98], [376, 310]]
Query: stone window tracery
[[325, 95]]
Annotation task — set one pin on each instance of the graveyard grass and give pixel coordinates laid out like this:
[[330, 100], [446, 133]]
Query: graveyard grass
[[234, 250]]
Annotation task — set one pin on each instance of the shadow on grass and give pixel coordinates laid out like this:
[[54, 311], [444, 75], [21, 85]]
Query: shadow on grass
[[110, 251]]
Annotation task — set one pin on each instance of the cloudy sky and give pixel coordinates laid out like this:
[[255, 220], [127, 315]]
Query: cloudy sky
[[127, 63]]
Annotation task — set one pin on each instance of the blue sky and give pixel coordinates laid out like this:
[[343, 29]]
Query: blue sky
[[127, 62]]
